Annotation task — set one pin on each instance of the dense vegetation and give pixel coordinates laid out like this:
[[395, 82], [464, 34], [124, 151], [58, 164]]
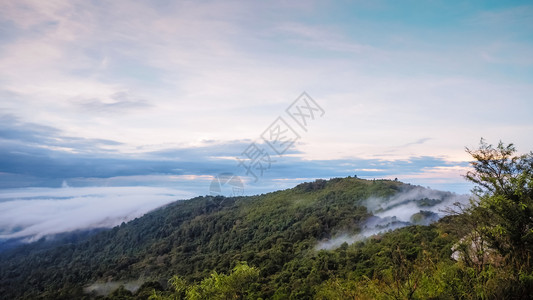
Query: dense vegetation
[[265, 246]]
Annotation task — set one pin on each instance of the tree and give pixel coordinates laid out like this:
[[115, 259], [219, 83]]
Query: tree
[[239, 284], [504, 190]]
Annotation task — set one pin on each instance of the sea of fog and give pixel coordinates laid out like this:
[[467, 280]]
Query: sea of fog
[[29, 214]]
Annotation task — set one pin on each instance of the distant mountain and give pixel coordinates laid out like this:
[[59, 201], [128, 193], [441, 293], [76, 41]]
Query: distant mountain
[[194, 237]]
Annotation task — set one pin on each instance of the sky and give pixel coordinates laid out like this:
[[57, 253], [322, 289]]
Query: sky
[[167, 94]]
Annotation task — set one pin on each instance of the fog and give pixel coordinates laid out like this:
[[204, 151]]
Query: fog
[[412, 205], [105, 288], [32, 213]]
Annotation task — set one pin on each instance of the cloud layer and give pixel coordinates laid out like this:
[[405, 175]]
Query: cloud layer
[[156, 73], [30, 214]]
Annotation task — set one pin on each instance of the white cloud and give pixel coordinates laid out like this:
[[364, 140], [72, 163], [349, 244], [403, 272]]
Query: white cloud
[[36, 212], [222, 70]]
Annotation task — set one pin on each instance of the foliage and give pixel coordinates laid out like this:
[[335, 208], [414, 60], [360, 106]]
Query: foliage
[[241, 283]]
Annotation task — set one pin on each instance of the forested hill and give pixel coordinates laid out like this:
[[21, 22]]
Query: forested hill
[[194, 237], [279, 245]]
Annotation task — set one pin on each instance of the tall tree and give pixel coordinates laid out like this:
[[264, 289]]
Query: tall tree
[[504, 190]]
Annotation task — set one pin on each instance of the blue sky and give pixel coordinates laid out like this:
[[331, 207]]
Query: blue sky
[[168, 93]]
